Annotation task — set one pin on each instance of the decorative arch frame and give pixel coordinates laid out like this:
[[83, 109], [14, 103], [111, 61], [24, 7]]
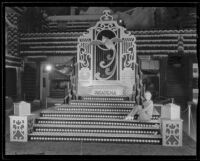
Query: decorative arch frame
[[106, 57]]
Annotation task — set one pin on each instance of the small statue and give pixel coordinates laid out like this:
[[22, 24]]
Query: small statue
[[145, 111]]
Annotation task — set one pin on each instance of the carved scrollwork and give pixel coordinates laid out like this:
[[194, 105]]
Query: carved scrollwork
[[18, 129], [110, 59], [108, 71], [128, 57], [172, 134], [106, 50], [106, 26], [100, 27], [84, 58]]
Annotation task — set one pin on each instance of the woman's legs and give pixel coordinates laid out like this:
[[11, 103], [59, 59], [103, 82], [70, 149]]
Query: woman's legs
[[133, 112]]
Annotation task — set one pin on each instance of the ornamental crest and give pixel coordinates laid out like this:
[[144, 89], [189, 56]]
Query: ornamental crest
[[106, 51]]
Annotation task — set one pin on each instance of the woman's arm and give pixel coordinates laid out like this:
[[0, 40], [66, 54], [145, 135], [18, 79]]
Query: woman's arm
[[148, 107]]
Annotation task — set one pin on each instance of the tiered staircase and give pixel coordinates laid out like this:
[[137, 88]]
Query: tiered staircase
[[95, 119]]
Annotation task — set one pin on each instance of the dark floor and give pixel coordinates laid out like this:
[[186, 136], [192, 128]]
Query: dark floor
[[77, 148], [84, 148]]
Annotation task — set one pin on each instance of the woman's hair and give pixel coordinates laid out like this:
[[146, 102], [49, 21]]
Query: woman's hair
[[148, 92]]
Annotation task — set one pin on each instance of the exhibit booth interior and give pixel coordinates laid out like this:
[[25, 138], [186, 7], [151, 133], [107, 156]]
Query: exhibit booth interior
[[109, 74]]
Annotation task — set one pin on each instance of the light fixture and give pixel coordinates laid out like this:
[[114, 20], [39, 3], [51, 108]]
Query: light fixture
[[120, 21], [48, 67]]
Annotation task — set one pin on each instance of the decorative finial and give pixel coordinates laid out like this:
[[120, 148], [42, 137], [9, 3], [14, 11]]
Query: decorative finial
[[106, 16]]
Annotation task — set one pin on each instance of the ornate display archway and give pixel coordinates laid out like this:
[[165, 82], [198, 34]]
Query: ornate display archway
[[106, 59]]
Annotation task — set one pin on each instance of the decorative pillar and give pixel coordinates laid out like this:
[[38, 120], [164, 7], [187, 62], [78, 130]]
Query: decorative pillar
[[195, 76], [18, 83], [12, 46], [20, 127], [172, 132], [43, 83], [163, 76], [141, 86], [37, 80], [6, 40], [13, 34], [137, 85]]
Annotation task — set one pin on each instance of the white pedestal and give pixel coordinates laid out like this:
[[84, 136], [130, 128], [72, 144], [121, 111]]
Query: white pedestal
[[20, 127], [172, 132], [22, 108], [170, 111]]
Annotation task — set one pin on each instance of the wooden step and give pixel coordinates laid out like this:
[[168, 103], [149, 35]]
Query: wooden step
[[98, 114], [101, 103], [94, 108], [96, 129], [84, 114], [96, 121], [109, 98], [98, 108], [96, 137]]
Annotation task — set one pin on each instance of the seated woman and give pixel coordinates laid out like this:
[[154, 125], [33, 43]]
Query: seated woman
[[145, 111]]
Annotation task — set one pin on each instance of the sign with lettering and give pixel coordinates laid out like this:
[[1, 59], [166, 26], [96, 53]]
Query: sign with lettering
[[107, 92]]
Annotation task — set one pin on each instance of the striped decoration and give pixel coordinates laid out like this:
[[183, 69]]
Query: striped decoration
[[13, 35], [79, 103], [147, 42], [195, 90], [41, 137], [13, 61], [195, 70], [94, 115], [195, 95], [180, 44], [105, 98]]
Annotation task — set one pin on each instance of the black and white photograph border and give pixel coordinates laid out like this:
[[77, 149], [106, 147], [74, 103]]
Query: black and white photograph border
[[100, 79]]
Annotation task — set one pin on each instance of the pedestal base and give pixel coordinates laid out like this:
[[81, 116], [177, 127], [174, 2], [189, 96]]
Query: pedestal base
[[171, 132], [20, 127]]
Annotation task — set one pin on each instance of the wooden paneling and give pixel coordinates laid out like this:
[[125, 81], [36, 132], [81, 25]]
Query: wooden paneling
[[29, 81], [10, 82], [59, 59], [177, 83]]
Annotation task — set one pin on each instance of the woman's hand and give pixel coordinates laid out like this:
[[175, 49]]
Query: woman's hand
[[129, 118]]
